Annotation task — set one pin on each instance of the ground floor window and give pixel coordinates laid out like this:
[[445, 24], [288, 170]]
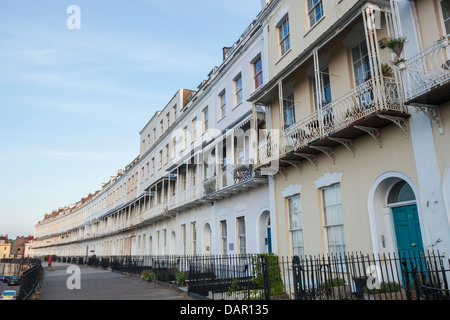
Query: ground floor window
[[333, 220], [241, 235], [223, 231], [295, 225], [194, 238]]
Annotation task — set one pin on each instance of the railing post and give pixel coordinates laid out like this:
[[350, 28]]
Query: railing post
[[266, 276]]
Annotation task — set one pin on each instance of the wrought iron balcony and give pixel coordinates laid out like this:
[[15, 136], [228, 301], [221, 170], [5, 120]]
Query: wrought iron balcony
[[426, 75], [368, 107], [234, 179]]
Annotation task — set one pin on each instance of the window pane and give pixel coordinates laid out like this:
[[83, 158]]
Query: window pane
[[295, 225], [258, 66], [334, 219]]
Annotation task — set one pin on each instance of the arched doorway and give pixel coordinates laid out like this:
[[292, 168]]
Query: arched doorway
[[207, 239], [395, 216], [405, 217], [173, 243], [265, 233]]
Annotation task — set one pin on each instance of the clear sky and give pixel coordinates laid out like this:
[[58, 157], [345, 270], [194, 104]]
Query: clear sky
[[72, 102]]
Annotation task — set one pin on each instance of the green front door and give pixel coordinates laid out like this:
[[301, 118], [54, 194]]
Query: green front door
[[407, 231]]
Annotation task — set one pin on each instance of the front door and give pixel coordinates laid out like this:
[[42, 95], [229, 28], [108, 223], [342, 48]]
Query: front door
[[407, 231]]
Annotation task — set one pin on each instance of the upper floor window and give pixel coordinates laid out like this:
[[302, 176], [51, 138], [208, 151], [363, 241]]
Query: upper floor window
[[361, 65], [166, 160], [289, 110], [315, 11], [222, 103], [174, 113], [238, 89], [257, 73], [160, 159], [194, 129], [324, 79], [445, 4], [284, 36], [205, 119]]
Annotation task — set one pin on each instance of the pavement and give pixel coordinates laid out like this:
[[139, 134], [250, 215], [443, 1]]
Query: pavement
[[61, 283]]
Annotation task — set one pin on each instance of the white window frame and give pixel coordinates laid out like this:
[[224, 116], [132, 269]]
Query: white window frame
[[222, 103], [444, 28], [284, 40], [296, 249], [241, 234], [311, 14], [330, 227], [194, 238], [238, 93], [288, 103], [205, 116], [223, 237], [257, 74]]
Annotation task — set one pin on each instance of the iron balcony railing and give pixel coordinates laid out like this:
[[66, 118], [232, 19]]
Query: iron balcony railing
[[230, 176], [368, 98], [427, 69]]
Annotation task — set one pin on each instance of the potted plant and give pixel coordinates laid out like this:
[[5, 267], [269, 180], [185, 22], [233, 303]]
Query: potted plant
[[386, 70], [443, 42], [399, 63], [396, 44]]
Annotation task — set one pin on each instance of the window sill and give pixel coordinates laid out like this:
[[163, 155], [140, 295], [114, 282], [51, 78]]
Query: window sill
[[312, 27], [237, 105], [221, 119], [284, 55]]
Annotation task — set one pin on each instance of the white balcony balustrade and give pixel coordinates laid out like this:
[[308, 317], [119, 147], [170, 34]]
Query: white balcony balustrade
[[369, 98], [426, 71]]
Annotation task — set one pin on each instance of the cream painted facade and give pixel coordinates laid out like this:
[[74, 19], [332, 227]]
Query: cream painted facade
[[344, 148], [171, 199], [335, 166], [5, 248]]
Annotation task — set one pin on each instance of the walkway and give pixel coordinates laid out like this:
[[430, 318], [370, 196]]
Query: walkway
[[99, 284]]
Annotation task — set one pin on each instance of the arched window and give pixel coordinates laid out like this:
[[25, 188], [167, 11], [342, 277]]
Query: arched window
[[401, 192]]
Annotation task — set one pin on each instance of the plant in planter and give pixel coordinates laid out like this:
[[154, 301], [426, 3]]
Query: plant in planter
[[386, 70], [399, 62], [210, 185], [387, 291], [396, 44], [443, 42]]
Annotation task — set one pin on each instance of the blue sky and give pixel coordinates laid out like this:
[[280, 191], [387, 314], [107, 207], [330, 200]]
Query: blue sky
[[72, 102]]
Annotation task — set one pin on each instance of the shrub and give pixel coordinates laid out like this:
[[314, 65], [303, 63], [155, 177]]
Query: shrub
[[385, 287], [181, 277]]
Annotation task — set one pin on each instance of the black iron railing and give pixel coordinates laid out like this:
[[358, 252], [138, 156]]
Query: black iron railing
[[266, 276], [30, 280]]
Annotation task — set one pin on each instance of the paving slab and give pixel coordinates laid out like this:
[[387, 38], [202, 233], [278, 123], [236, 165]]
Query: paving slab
[[98, 284]]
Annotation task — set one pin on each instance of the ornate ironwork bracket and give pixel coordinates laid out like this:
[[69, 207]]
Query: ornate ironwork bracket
[[165, 212], [326, 150], [310, 157], [346, 143], [283, 172], [400, 122], [432, 112], [374, 133], [296, 164]]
